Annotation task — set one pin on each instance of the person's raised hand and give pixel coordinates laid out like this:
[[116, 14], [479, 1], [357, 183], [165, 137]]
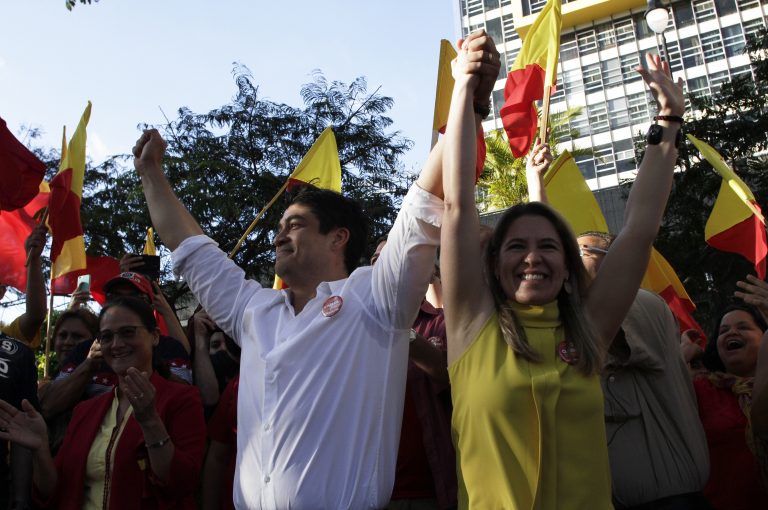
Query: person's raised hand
[[689, 345], [540, 158], [25, 428], [141, 394], [754, 292], [667, 92], [481, 50], [131, 262], [149, 151], [35, 242]]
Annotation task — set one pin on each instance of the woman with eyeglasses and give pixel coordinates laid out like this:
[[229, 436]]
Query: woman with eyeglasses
[[139, 446]]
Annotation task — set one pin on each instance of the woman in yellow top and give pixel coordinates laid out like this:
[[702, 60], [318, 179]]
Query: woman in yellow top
[[525, 338]]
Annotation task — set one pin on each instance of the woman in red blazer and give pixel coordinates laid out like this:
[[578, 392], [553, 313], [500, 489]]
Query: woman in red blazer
[[139, 447]]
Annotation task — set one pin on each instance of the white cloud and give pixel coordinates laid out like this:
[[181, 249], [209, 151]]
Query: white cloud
[[96, 149]]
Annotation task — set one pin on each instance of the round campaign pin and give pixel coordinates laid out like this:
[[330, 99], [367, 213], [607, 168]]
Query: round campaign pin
[[332, 306], [568, 352]]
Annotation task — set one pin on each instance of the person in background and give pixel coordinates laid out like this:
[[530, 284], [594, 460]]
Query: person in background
[[26, 327], [18, 382], [220, 461], [138, 446], [216, 361], [425, 476], [724, 394], [73, 327]]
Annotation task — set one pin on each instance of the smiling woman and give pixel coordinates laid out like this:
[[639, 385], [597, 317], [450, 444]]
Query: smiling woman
[[724, 397]]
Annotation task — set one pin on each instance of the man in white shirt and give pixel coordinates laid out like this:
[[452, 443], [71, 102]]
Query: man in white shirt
[[323, 363]]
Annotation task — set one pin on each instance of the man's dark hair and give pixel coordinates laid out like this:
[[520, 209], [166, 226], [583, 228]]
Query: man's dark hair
[[333, 210]]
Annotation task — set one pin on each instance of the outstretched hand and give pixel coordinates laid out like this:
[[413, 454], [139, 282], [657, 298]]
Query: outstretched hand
[[149, 151], [25, 428], [754, 292], [667, 92], [35, 242]]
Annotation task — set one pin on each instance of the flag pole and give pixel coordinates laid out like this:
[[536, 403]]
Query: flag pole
[[257, 218], [543, 135], [48, 332], [434, 139]]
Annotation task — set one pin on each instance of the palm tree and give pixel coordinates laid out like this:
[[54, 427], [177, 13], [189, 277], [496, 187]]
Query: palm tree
[[503, 181]]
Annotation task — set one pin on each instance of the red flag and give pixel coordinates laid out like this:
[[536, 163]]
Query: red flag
[[101, 269], [20, 171], [518, 114], [15, 227]]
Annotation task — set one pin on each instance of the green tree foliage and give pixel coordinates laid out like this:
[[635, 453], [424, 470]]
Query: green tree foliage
[[70, 4], [503, 182], [225, 165], [733, 121]]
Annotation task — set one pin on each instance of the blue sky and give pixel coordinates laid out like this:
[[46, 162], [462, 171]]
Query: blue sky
[[130, 58]]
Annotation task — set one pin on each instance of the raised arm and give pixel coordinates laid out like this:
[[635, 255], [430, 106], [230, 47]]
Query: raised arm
[[619, 277], [172, 220], [464, 293], [535, 168], [34, 314]]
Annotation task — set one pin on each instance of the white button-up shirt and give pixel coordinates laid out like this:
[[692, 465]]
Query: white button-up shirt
[[321, 398]]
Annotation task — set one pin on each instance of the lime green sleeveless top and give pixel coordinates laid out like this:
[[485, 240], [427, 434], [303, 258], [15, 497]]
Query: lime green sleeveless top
[[527, 435]]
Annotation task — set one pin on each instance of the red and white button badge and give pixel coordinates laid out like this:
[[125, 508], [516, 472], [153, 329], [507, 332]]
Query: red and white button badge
[[568, 352], [332, 306]]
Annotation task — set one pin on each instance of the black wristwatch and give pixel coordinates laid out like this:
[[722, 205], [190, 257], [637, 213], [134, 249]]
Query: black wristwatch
[[655, 133]]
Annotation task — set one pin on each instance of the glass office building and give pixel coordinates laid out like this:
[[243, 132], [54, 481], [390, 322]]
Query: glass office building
[[601, 43]]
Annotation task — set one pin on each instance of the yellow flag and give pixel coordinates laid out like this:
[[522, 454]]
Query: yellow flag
[[735, 201], [542, 42], [320, 166], [569, 194], [149, 244], [68, 246], [444, 86]]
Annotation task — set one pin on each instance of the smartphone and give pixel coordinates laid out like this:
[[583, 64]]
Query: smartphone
[[83, 283], [151, 267]]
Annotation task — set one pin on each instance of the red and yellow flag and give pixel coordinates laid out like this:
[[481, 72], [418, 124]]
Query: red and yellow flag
[[68, 248], [20, 171], [534, 68], [736, 224], [319, 167], [15, 227], [568, 193], [444, 88]]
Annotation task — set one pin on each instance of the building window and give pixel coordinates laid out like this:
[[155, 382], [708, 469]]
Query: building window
[[508, 27], [698, 86], [572, 81], [624, 154], [587, 166], [591, 76], [704, 10], [751, 27], [642, 30], [638, 108], [628, 65], [474, 7], [568, 49], [716, 80], [690, 49], [712, 46], [611, 72], [503, 70], [617, 113], [491, 4], [598, 118], [604, 164], [586, 41], [748, 4], [740, 71], [580, 125], [498, 102], [675, 63], [733, 40], [624, 31], [559, 94], [725, 7], [493, 27], [683, 14], [512, 56], [606, 36]]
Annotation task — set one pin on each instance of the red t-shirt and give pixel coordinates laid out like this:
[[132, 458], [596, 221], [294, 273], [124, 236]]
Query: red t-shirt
[[222, 427], [734, 476]]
